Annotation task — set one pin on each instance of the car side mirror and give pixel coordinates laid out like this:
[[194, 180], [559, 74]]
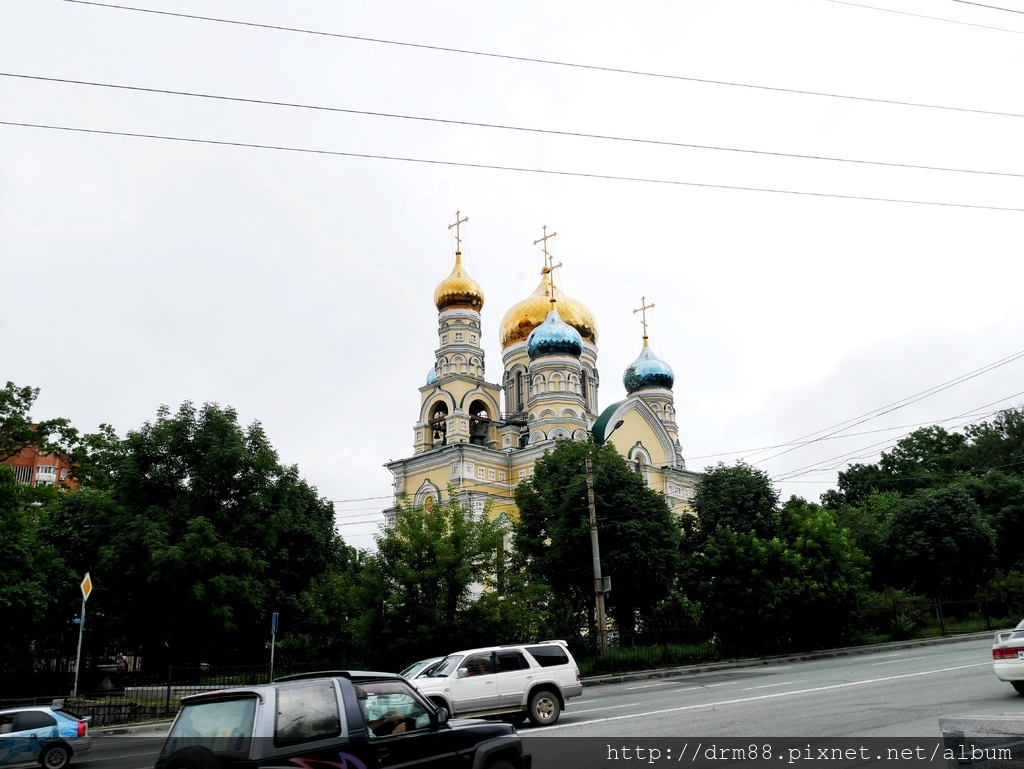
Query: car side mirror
[[442, 716], [462, 673]]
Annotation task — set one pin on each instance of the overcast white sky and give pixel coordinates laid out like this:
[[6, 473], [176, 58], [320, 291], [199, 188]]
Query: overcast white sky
[[298, 287]]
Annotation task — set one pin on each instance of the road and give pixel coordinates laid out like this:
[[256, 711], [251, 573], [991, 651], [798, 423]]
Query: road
[[894, 693]]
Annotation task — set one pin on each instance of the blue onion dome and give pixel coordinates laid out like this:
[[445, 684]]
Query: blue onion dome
[[554, 337], [648, 370], [431, 376]]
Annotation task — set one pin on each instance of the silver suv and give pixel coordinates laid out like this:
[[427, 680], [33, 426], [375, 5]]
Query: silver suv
[[514, 682]]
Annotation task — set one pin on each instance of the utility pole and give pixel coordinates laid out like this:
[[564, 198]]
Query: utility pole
[[602, 629]]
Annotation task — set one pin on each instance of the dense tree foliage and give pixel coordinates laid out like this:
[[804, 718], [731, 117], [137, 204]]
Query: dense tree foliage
[[738, 497], [939, 543], [18, 431], [638, 534], [770, 579], [418, 585], [200, 535], [33, 578]]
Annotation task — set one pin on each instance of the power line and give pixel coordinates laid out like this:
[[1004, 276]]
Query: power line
[[923, 16], [519, 169], [895, 406], [844, 458], [549, 62], [799, 443], [990, 7], [503, 127]]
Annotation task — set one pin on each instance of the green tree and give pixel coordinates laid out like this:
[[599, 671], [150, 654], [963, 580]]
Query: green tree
[[867, 525], [738, 497], [939, 543], [997, 445], [638, 534], [200, 535], [416, 589], [1000, 496], [36, 586], [929, 457], [788, 591], [18, 431]]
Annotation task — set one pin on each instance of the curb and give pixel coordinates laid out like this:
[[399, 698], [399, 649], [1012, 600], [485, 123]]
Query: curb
[[148, 727], [749, 662]]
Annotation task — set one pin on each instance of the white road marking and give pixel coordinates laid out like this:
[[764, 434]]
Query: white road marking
[[812, 690], [901, 659], [648, 686], [765, 686], [610, 707]]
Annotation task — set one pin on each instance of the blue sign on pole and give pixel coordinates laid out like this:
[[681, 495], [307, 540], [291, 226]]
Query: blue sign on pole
[[273, 623]]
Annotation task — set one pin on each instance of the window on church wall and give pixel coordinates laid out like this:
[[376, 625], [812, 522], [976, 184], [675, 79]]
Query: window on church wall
[[520, 405], [481, 473], [444, 339], [458, 336], [585, 387], [501, 477], [472, 338]]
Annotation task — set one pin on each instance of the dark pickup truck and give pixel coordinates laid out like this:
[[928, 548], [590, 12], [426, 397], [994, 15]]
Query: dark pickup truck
[[353, 720]]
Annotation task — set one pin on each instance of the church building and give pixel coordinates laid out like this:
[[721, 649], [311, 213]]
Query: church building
[[484, 438]]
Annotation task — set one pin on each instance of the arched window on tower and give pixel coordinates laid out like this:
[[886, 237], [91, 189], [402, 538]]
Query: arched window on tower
[[439, 423], [585, 386], [479, 422], [520, 402]]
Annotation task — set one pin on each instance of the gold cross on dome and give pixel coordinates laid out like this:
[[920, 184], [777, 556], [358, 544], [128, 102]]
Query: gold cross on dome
[[643, 308], [549, 265], [458, 221], [547, 256]]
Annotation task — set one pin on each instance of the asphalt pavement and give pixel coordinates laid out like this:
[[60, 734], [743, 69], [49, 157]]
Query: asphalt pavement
[[156, 728]]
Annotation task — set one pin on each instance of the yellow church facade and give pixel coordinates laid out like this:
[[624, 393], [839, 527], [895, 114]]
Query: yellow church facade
[[483, 438]]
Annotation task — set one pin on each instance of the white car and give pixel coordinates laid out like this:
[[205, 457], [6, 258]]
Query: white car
[[514, 682], [1008, 657]]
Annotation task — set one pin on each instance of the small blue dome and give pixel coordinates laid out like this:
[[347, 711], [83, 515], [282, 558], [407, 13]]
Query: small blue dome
[[648, 370], [554, 337], [431, 376]]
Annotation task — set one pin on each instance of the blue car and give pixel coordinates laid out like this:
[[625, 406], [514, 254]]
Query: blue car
[[40, 735]]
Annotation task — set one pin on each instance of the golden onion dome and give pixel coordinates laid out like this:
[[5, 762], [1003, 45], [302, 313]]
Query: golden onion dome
[[523, 317], [458, 289]]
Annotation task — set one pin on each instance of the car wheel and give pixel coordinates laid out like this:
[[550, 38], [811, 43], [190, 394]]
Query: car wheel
[[544, 708], [55, 757], [439, 703], [1019, 686], [193, 757]]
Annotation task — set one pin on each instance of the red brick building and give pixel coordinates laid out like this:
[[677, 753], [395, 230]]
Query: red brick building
[[35, 469]]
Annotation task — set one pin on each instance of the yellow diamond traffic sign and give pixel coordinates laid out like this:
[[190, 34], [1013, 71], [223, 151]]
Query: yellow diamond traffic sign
[[86, 587]]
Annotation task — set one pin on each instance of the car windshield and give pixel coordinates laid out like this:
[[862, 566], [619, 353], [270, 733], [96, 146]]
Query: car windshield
[[419, 668], [217, 724], [446, 667]]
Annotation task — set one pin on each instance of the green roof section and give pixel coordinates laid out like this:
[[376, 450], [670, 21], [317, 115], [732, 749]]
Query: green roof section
[[600, 430]]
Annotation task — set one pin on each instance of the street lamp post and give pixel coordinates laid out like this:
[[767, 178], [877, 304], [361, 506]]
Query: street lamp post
[[601, 584]]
